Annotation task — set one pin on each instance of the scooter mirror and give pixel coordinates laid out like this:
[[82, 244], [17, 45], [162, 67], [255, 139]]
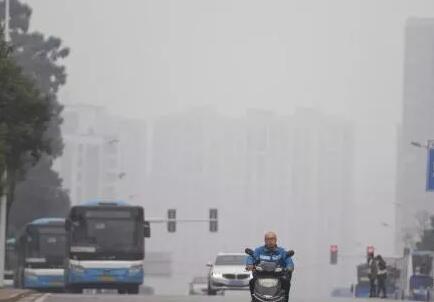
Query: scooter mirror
[[249, 252], [291, 253]]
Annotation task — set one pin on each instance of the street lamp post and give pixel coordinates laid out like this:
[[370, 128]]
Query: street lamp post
[[419, 145]]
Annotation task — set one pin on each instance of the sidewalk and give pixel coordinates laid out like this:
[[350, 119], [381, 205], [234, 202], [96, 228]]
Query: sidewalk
[[12, 295]]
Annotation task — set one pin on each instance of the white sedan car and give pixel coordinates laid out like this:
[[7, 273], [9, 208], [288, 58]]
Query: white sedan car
[[228, 273]]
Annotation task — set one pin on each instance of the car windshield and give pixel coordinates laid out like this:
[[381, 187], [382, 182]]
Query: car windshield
[[231, 260]]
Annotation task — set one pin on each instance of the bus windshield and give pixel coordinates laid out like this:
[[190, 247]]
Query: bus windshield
[[422, 264], [45, 245], [113, 234]]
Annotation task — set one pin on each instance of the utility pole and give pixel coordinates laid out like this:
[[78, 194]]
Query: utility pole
[[7, 17], [3, 198], [3, 201]]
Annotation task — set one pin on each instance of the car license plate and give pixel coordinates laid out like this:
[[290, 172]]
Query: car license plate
[[107, 278], [236, 283]]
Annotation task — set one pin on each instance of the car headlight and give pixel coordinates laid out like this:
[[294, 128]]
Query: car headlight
[[217, 275], [268, 282], [77, 268], [135, 269], [278, 270]]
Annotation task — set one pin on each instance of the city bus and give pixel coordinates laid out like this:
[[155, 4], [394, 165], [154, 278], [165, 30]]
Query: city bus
[[418, 277], [40, 253], [105, 247]]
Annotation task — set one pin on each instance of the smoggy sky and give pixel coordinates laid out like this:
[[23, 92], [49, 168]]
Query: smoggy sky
[[141, 57]]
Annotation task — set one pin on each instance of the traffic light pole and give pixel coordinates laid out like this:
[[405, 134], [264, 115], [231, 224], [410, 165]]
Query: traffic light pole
[[171, 220], [165, 220]]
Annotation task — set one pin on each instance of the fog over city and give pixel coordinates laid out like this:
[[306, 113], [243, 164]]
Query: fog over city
[[293, 116]]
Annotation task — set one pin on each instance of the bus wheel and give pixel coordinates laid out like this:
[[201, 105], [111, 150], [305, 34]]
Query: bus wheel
[[74, 290], [133, 290], [122, 291]]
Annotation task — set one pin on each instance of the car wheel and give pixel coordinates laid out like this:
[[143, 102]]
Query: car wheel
[[211, 292]]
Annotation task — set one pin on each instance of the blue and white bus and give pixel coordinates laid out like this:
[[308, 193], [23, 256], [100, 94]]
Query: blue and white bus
[[418, 278], [41, 248], [105, 247]]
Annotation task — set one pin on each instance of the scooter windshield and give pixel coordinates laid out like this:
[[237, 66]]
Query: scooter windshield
[[268, 267]]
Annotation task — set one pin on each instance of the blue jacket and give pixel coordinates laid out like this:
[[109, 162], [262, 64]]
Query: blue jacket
[[278, 255]]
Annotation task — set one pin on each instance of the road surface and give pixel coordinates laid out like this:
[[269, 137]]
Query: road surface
[[142, 298]]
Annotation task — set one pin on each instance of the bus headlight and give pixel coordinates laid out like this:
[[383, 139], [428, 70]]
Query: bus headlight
[[31, 275], [76, 268], [135, 269]]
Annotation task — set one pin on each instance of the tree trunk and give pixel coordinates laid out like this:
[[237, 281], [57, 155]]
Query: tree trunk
[[11, 184]]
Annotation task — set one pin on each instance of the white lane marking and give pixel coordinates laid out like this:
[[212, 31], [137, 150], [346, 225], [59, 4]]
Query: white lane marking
[[42, 298]]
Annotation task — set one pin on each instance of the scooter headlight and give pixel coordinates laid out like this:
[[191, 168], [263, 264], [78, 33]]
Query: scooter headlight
[[268, 282]]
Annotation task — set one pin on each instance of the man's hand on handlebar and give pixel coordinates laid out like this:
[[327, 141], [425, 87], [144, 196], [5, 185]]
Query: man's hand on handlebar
[[250, 268]]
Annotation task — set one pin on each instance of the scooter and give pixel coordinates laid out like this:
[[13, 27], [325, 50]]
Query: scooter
[[268, 283]]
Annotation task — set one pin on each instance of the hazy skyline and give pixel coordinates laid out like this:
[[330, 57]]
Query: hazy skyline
[[142, 58], [147, 58]]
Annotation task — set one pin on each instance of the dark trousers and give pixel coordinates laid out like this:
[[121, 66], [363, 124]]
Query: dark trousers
[[373, 287], [285, 280], [382, 285]]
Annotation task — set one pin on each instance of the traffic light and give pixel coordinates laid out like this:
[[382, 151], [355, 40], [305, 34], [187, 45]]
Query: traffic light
[[213, 220], [171, 220], [333, 254], [147, 229]]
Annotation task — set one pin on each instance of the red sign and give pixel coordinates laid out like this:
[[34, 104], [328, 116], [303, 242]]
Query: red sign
[[370, 249], [334, 248]]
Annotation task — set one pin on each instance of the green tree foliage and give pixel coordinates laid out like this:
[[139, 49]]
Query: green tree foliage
[[24, 117], [39, 57]]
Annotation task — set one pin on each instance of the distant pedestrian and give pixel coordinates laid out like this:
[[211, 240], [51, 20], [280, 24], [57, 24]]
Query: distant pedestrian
[[381, 276], [372, 274]]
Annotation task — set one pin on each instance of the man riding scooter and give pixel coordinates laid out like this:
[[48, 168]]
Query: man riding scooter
[[270, 252]]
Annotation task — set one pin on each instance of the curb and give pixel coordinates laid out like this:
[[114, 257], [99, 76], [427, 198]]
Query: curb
[[17, 296]]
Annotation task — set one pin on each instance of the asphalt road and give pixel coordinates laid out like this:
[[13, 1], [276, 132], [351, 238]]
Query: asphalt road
[[141, 298]]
